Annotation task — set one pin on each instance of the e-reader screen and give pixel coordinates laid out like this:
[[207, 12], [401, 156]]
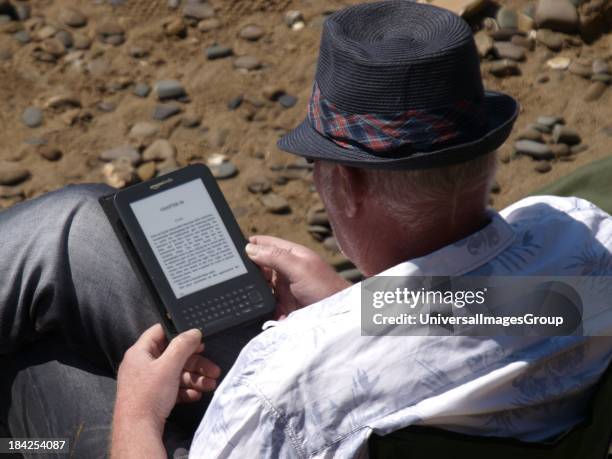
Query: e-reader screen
[[188, 238]]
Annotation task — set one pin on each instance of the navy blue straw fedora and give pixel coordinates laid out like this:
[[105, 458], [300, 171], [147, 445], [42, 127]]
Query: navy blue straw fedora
[[398, 85]]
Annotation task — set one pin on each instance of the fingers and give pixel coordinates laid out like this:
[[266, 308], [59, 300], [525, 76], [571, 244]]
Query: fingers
[[180, 349], [152, 341], [197, 382], [188, 396], [276, 258], [202, 366], [280, 243]]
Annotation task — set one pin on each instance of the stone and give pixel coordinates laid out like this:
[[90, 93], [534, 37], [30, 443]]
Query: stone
[[190, 121], [159, 150], [506, 50], [594, 91], [166, 168], [69, 117], [223, 170], [507, 18], [176, 27], [560, 150], [550, 39], [550, 121], [504, 34], [32, 117], [292, 17], [206, 25], [165, 111], [146, 171], [524, 42], [114, 40], [351, 275], [251, 32], [287, 100], [579, 148], [142, 133], [109, 28], [62, 101], [65, 37], [601, 66], [484, 44], [12, 173], [558, 15], [142, 90], [331, 243], [535, 150], [106, 106], [247, 63], [23, 10], [577, 68], [275, 204], [543, 167], [603, 77], [54, 47], [542, 79], [504, 68], [541, 128], [234, 103], [72, 17], [119, 173], [45, 32], [22, 37], [81, 41], [50, 153], [317, 216], [558, 63], [138, 52], [259, 185], [124, 151], [530, 134], [564, 134], [319, 232], [198, 11], [169, 89], [218, 52]]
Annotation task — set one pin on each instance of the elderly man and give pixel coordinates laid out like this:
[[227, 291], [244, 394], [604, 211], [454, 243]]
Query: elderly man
[[402, 136]]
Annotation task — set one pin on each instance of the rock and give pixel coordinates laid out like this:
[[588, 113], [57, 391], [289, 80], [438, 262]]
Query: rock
[[123, 152], [543, 167], [138, 52], [72, 17], [595, 90], [81, 41], [292, 17], [142, 133], [119, 173], [524, 42], [198, 11], [251, 32], [142, 90], [495, 188], [54, 47], [247, 63], [275, 204], [173, 4], [218, 52], [159, 150], [32, 117], [484, 44], [504, 34], [550, 39], [506, 50], [50, 153], [165, 111], [560, 150], [65, 38], [12, 173], [319, 232], [169, 89], [533, 149], [351, 275], [287, 100], [224, 170], [45, 32], [549, 121], [541, 128], [317, 216], [22, 37], [581, 70], [530, 134], [146, 171], [564, 134], [330, 243], [507, 18], [23, 10], [111, 33], [504, 68], [206, 25], [603, 77], [259, 185], [579, 148], [559, 15], [191, 121], [601, 66], [166, 168], [69, 117], [558, 63], [234, 103], [62, 101], [176, 27], [106, 106]]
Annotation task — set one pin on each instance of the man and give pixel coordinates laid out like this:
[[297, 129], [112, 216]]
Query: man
[[402, 137]]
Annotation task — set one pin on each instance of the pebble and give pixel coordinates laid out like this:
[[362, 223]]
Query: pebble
[[319, 232], [351, 275], [542, 79], [106, 106], [533, 149], [81, 41], [543, 167], [54, 47], [166, 168], [577, 68], [118, 173], [504, 68], [142, 90], [65, 37], [331, 243], [143, 132], [138, 52], [72, 17], [287, 100], [506, 50], [484, 43], [224, 170], [541, 128], [549, 121], [46, 31], [317, 216], [165, 111], [564, 134], [507, 18], [247, 63], [530, 134], [579, 148], [524, 42], [603, 77], [159, 150], [275, 204], [32, 117], [560, 150], [259, 185], [23, 10], [146, 171], [600, 66], [191, 121], [218, 52], [169, 89], [12, 173], [595, 90], [198, 11], [550, 39], [207, 25], [111, 33], [251, 32], [504, 34], [22, 37], [558, 15], [558, 63], [293, 17], [234, 103], [124, 151], [50, 153], [176, 27]]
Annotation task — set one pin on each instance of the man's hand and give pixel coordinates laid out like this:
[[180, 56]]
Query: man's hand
[[298, 275], [152, 378]]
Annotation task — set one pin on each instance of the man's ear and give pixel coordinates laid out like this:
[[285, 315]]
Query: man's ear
[[351, 188]]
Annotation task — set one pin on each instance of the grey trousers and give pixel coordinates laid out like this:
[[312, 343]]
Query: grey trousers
[[70, 306]]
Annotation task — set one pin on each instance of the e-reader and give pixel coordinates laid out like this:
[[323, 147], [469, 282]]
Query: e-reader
[[185, 244]]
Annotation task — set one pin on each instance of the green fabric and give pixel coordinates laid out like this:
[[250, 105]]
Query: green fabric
[[592, 182]]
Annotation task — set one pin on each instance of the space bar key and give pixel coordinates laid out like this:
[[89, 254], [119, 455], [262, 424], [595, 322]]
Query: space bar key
[[220, 323]]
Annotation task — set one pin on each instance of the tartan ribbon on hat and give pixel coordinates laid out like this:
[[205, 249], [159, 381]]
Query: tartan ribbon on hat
[[422, 130]]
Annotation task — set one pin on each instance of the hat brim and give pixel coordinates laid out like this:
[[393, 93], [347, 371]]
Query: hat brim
[[501, 112]]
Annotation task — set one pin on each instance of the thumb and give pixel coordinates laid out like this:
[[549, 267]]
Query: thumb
[[180, 349], [270, 256]]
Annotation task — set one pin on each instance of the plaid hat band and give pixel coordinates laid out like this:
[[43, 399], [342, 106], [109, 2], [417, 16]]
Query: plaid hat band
[[421, 130]]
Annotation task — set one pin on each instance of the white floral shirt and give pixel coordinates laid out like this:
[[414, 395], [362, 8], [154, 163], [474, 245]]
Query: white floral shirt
[[312, 386]]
